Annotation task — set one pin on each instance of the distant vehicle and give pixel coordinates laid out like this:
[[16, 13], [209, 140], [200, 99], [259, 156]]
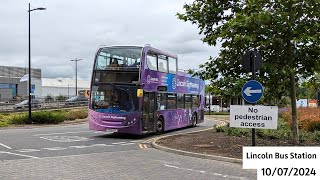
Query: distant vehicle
[[84, 93], [77, 100], [213, 108], [25, 104]]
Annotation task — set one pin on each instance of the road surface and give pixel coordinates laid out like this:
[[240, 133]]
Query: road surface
[[74, 152]]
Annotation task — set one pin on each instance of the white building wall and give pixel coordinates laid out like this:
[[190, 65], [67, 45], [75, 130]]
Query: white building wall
[[38, 87], [62, 86], [57, 91]]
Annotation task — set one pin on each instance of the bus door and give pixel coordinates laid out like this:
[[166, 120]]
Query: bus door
[[148, 111]]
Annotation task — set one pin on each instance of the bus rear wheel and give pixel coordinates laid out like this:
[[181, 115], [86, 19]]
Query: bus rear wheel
[[160, 126], [194, 120]]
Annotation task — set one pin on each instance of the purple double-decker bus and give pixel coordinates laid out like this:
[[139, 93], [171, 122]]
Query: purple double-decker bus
[[139, 90]]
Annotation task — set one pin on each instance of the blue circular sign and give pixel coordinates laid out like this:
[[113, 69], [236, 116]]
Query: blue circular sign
[[252, 91]]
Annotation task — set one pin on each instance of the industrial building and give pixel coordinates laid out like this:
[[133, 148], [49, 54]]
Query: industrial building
[[12, 88], [62, 87]]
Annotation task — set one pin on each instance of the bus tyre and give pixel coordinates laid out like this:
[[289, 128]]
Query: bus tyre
[[194, 120], [160, 126]]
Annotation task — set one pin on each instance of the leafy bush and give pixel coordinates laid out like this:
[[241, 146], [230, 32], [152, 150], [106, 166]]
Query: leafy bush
[[310, 136], [47, 117], [76, 114], [217, 113], [3, 124], [21, 118], [43, 117], [2, 117], [308, 118], [313, 126], [283, 131], [233, 131]]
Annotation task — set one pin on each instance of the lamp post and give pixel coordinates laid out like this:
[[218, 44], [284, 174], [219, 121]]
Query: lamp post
[[76, 60], [29, 103]]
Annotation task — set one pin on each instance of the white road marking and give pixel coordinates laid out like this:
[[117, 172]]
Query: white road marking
[[69, 147], [4, 152], [28, 150], [54, 148], [94, 145], [137, 141], [79, 147], [102, 132], [5, 146], [75, 132], [65, 138], [127, 144], [119, 143], [77, 155], [204, 172]]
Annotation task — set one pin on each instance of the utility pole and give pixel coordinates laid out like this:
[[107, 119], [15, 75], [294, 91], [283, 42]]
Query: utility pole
[[76, 60]]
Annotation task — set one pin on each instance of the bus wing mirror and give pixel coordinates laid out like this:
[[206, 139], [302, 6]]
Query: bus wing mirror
[[139, 93]]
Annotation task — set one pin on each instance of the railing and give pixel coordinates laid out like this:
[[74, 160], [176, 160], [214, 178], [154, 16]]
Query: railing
[[11, 106]]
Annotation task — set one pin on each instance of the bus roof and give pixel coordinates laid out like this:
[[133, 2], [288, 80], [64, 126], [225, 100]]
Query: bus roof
[[147, 47]]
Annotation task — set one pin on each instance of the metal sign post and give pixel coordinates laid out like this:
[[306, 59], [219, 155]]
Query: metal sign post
[[253, 66], [252, 62]]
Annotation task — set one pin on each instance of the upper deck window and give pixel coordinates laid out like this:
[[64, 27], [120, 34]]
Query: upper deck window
[[152, 62], [162, 64], [126, 57], [172, 65]]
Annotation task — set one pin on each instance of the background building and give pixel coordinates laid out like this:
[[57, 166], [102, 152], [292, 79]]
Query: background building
[[62, 87], [11, 87]]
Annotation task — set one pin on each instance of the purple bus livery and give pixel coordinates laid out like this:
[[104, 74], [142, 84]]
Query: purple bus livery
[[139, 90]]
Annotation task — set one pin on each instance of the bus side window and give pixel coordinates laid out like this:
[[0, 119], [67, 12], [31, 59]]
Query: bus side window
[[162, 101], [188, 101], [172, 65], [195, 101], [180, 101], [162, 64], [152, 62], [172, 101]]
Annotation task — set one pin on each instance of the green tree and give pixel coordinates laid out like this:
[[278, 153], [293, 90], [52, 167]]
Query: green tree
[[285, 32], [309, 87]]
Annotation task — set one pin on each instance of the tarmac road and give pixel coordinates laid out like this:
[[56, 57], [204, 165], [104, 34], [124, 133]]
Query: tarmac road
[[74, 152]]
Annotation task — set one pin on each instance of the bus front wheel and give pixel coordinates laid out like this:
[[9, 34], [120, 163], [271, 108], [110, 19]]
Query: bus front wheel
[[160, 126]]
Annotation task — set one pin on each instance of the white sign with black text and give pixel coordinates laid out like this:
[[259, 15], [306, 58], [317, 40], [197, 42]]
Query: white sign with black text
[[259, 117]]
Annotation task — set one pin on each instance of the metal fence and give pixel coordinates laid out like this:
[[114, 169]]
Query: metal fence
[[41, 103]]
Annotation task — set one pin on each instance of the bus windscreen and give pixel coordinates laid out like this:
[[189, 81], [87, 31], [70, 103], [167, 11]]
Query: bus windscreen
[[114, 99]]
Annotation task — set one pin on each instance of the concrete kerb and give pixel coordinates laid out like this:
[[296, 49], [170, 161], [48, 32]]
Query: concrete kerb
[[192, 154]]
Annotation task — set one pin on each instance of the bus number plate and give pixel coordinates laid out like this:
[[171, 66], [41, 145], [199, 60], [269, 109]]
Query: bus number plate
[[111, 130]]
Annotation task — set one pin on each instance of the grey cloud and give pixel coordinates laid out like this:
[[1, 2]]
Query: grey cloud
[[75, 29]]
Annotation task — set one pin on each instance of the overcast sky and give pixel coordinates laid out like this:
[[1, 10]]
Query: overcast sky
[[71, 29]]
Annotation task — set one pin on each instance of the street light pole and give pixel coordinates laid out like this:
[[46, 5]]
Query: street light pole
[[76, 60], [29, 103]]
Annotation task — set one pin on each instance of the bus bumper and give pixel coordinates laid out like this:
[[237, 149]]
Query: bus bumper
[[121, 123]]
